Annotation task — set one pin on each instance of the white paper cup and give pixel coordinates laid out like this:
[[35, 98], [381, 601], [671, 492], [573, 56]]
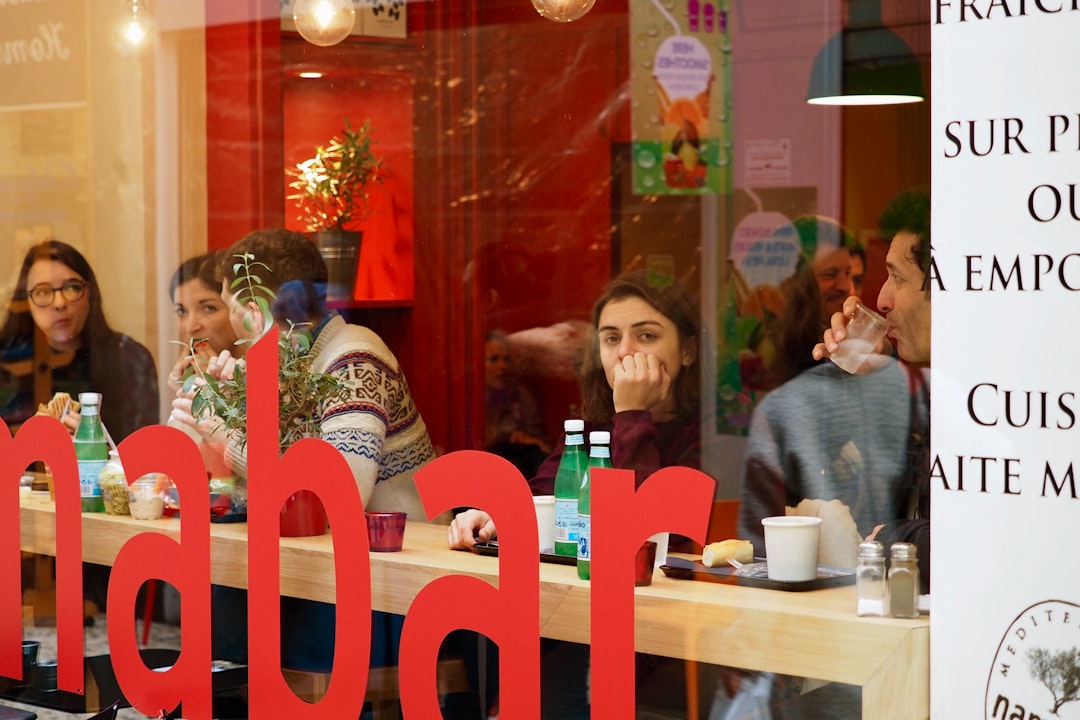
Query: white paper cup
[[545, 521], [864, 330], [791, 547]]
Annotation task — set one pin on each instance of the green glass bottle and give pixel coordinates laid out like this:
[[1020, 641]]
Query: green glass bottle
[[599, 457], [572, 466], [91, 451]]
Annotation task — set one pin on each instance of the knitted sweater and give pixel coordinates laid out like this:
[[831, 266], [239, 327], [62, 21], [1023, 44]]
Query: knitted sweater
[[378, 430]]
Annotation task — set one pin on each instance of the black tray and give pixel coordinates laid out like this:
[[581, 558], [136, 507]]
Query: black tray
[[492, 548], [829, 576]]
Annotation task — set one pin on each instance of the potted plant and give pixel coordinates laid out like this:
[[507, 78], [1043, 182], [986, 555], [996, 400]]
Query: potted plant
[[331, 192], [301, 390]]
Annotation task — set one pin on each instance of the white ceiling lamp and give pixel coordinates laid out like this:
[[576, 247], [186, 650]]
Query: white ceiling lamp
[[136, 29], [324, 22], [563, 10]]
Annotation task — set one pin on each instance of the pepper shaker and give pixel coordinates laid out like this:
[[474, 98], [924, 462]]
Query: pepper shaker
[[904, 581]]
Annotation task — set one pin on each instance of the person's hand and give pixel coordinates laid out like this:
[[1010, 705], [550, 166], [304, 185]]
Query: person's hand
[[469, 527], [223, 365], [836, 331], [642, 382], [209, 428], [874, 533], [201, 357], [70, 420]]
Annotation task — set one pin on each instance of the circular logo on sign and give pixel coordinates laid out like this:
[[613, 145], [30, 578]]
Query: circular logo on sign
[[1036, 670]]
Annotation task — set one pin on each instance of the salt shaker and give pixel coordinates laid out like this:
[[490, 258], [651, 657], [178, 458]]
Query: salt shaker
[[904, 581], [870, 580]]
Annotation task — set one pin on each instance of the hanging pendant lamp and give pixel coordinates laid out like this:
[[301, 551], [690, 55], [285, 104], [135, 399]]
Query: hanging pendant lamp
[[866, 63]]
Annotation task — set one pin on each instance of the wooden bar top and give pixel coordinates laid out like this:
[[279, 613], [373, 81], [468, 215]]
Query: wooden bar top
[[810, 634]]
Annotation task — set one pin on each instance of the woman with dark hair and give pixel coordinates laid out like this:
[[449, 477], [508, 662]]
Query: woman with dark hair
[[195, 292], [63, 298], [639, 379]]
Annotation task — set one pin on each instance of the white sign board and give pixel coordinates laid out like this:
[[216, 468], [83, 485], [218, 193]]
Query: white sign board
[[767, 163], [1005, 428]]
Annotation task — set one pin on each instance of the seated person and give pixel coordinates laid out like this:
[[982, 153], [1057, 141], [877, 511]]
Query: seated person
[[853, 448], [205, 329], [639, 380], [514, 425], [85, 353], [377, 429]]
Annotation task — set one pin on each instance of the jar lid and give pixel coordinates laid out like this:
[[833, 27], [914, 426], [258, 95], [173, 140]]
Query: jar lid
[[871, 549], [903, 551]]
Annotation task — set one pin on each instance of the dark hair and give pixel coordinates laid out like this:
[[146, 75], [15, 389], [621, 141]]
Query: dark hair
[[672, 302], [21, 325], [203, 268], [910, 212], [288, 255], [293, 263]]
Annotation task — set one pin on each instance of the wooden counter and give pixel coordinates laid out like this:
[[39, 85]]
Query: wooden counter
[[811, 634]]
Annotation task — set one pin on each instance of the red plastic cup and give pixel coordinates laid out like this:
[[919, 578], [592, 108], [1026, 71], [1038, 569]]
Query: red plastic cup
[[303, 515], [386, 530], [643, 564]]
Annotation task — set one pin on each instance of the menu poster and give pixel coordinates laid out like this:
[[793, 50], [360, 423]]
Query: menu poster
[[1005, 612], [680, 78]]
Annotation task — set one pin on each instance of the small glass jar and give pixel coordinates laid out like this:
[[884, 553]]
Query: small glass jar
[[114, 487], [870, 580], [904, 581], [145, 501]]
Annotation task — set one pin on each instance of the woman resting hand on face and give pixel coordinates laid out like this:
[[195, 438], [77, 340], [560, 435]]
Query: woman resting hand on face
[[639, 380]]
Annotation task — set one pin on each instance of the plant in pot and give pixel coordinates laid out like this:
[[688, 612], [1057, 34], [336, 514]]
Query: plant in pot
[[332, 192], [302, 391]]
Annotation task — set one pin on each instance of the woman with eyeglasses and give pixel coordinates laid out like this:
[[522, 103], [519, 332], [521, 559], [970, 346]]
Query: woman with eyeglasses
[[57, 295]]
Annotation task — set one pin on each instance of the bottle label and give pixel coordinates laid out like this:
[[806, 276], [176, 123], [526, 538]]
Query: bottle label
[[89, 471], [566, 521], [584, 548]]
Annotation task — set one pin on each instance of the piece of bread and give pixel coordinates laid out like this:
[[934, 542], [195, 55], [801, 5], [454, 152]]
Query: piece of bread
[[55, 407], [838, 540], [718, 553]]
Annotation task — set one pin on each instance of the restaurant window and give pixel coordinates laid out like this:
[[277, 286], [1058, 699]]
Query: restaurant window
[[526, 164]]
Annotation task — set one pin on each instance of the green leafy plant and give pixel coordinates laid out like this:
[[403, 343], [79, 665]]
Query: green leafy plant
[[301, 390], [332, 188]]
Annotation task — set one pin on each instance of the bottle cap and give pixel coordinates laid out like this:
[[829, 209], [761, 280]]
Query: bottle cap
[[871, 549], [89, 398], [599, 437], [903, 551], [574, 425]]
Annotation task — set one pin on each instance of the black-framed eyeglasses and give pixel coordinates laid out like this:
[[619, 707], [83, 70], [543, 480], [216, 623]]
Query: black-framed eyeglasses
[[42, 295]]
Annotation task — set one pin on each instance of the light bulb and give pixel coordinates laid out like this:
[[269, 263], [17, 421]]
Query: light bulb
[[563, 10], [324, 22], [136, 29]]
